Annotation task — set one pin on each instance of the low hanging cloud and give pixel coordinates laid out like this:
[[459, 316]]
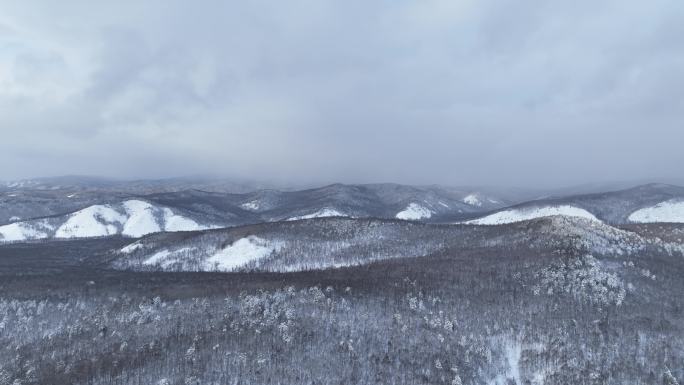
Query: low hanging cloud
[[436, 91]]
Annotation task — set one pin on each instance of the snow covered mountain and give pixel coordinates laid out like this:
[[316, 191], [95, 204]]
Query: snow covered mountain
[[527, 213], [414, 211], [288, 267], [35, 212], [318, 243], [18, 205], [431, 203], [338, 242], [131, 218], [232, 209], [651, 203]]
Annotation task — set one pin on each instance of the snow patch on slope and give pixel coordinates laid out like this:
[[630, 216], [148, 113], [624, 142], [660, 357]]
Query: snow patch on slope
[[131, 248], [157, 257], [133, 218], [141, 219], [322, 213], [240, 253], [414, 211], [472, 200], [252, 205], [173, 222], [524, 214], [93, 221], [671, 211], [166, 258], [145, 218], [22, 231]]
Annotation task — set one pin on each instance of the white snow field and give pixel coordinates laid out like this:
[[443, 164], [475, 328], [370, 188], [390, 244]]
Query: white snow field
[[671, 211], [524, 214], [240, 253], [132, 218], [414, 211], [322, 213], [93, 221], [22, 231], [173, 222], [141, 219]]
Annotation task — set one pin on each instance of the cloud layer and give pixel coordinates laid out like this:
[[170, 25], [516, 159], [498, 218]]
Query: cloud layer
[[435, 91]]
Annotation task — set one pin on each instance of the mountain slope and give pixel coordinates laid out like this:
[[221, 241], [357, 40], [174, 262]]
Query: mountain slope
[[335, 242], [527, 213], [436, 204], [613, 207], [32, 213], [669, 211], [131, 218]]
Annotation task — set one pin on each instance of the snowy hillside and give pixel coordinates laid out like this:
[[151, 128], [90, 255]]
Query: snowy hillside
[[21, 231], [131, 218], [337, 242], [414, 211], [670, 211], [473, 200], [283, 246], [322, 213], [425, 203], [527, 213]]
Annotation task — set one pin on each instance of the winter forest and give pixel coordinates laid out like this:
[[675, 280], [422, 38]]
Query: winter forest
[[341, 192]]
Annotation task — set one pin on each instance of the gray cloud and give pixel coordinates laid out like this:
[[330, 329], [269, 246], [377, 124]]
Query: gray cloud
[[435, 91]]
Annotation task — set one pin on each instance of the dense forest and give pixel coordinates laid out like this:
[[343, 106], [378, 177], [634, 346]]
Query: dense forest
[[478, 315]]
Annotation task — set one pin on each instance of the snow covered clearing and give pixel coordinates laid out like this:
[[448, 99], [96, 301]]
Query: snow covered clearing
[[414, 211], [22, 231], [524, 214], [472, 200], [240, 253], [322, 213], [671, 211]]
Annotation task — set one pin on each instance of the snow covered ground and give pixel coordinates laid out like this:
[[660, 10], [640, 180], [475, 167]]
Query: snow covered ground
[[671, 211], [524, 214], [413, 212]]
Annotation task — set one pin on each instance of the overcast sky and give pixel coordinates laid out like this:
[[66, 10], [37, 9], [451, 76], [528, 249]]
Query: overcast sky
[[427, 91]]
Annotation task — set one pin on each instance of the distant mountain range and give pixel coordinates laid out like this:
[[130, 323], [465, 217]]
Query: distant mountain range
[[71, 207], [508, 269], [646, 203]]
